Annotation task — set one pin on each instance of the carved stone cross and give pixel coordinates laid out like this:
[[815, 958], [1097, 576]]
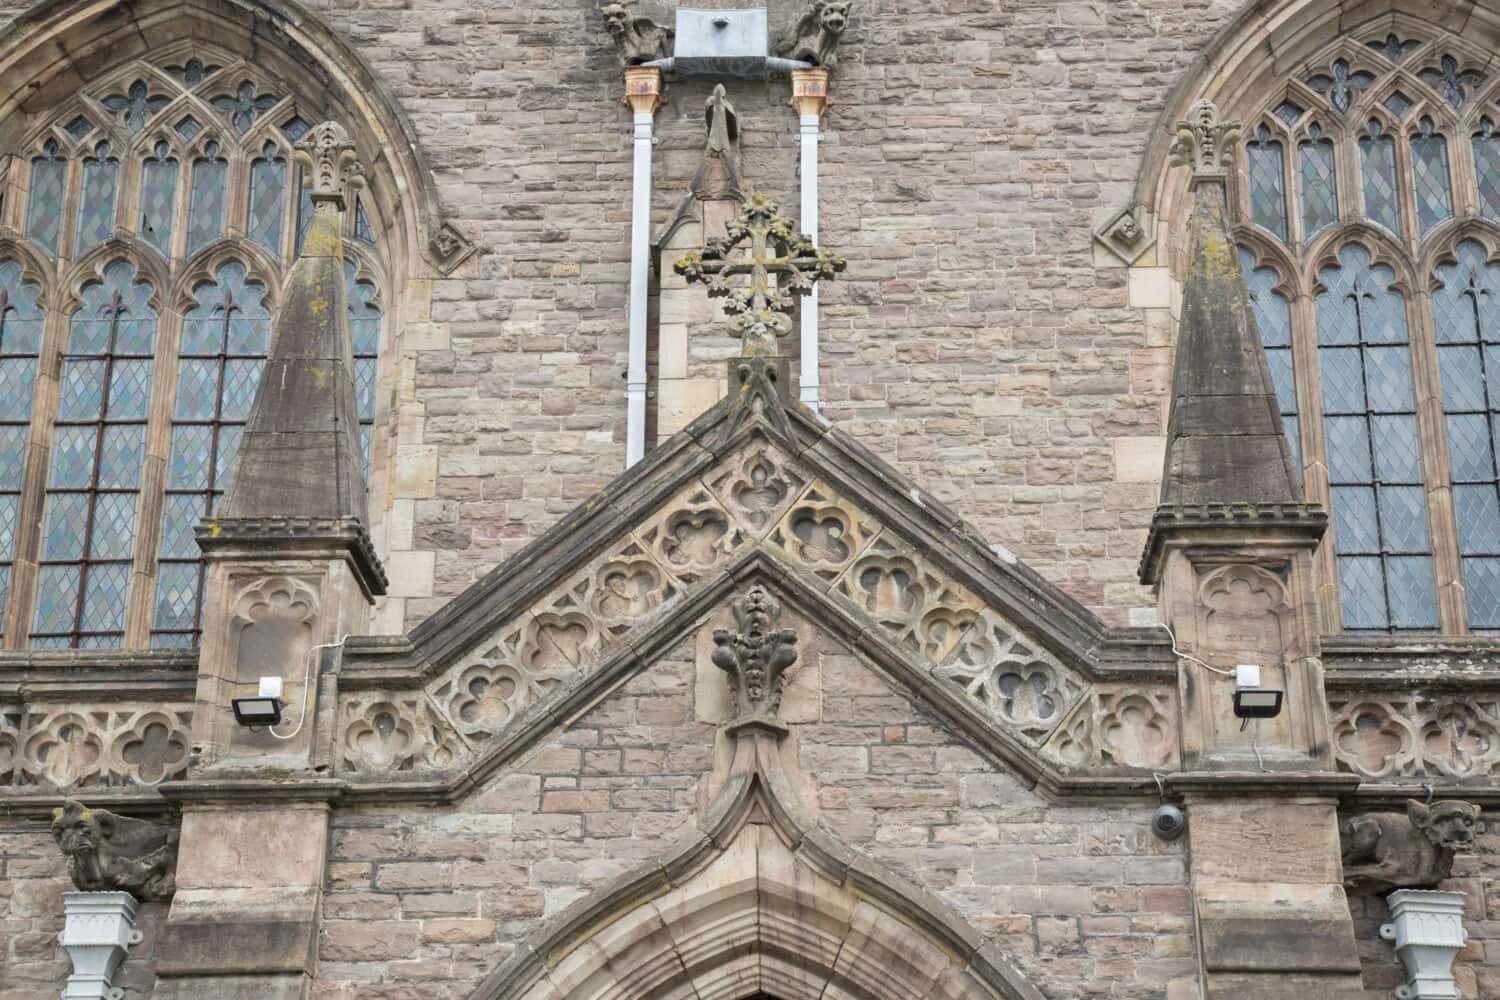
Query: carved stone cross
[[755, 656], [762, 310]]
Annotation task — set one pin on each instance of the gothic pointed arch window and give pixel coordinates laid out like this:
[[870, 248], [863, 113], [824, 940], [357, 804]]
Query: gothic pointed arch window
[[1368, 208], [153, 215]]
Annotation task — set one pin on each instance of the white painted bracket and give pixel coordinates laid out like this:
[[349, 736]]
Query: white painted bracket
[[1428, 930], [98, 928]]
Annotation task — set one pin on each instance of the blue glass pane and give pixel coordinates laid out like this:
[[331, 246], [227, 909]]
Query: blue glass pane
[[1403, 518], [304, 215], [364, 385], [1342, 379], [1378, 163], [1320, 199], [1288, 425], [267, 202], [81, 390], [1413, 592], [1362, 592], [9, 507], [106, 589], [129, 389], [21, 318], [1355, 527], [1264, 171], [183, 511], [120, 456], [229, 447], [191, 445], [1482, 592], [1462, 378], [1429, 166], [250, 334], [1398, 454], [136, 106], [158, 202], [362, 229], [113, 535], [176, 596], [241, 378], [73, 457], [17, 378], [96, 209], [197, 389], [13, 440], [1477, 511], [201, 336], [206, 208], [1487, 167], [119, 307], [365, 435], [49, 178], [1388, 379], [244, 105], [65, 523], [1469, 448], [1348, 450], [56, 599]]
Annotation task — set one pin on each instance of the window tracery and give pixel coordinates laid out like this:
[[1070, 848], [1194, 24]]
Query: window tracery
[[1368, 190], [166, 197]]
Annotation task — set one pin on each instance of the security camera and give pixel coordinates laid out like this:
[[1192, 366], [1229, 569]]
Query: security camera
[[1168, 822]]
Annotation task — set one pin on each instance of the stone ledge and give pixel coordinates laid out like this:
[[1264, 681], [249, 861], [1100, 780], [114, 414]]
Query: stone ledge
[[1305, 524], [314, 537]]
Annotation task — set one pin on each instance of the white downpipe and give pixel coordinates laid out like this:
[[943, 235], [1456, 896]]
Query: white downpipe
[[640, 248], [809, 225]]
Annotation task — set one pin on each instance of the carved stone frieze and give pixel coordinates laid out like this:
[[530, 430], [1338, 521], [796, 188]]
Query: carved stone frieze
[[1383, 851], [757, 484], [85, 746], [527, 661], [1381, 736], [1119, 726], [1022, 688], [617, 593], [823, 532], [110, 853], [919, 609], [394, 733], [692, 534]]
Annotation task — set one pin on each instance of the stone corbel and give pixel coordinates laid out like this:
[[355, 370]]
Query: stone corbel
[[1128, 234], [1427, 929], [98, 929], [449, 248]]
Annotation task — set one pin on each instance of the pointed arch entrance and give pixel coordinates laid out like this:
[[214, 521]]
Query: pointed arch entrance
[[756, 903]]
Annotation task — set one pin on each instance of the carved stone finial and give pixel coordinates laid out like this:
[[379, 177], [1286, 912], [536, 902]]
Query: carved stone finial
[[110, 853], [815, 37], [328, 154], [1389, 851], [638, 38], [1204, 142], [758, 655], [762, 311]]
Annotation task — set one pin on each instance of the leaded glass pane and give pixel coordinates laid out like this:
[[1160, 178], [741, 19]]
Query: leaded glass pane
[[1469, 449], [1348, 450], [1354, 522], [244, 105], [1398, 452], [136, 106], [129, 389], [267, 199], [1388, 379], [49, 179], [1429, 166], [1362, 593], [17, 377], [241, 378], [1413, 593], [1476, 509], [158, 199], [183, 512], [120, 455], [64, 526], [197, 389], [104, 597], [1403, 518], [1320, 199], [229, 447], [364, 386], [1482, 590], [1378, 166], [1288, 112], [113, 534], [362, 229], [304, 215], [21, 319], [73, 457], [96, 209], [192, 445], [1267, 178], [1487, 169], [1462, 377], [13, 441], [81, 389], [206, 210], [1342, 375], [56, 599], [176, 596], [1398, 103], [9, 508], [79, 127]]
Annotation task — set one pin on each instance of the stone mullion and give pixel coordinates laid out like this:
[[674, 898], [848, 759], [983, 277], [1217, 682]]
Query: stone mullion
[[1462, 176], [25, 565], [236, 191], [154, 476], [1291, 190], [127, 193], [1406, 188], [1314, 452], [67, 238], [14, 193], [1351, 186], [1427, 385], [182, 200]]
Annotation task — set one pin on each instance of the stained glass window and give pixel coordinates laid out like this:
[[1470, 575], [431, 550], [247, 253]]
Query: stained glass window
[[1466, 322], [21, 323], [1320, 191], [96, 209], [49, 182], [158, 198], [1377, 493], [210, 187], [1487, 168], [225, 337], [1267, 178], [1273, 317], [98, 449], [1378, 164], [364, 331], [267, 205], [1429, 168]]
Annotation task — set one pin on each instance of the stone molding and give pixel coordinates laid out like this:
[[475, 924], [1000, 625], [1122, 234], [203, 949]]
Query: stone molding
[[295, 538]]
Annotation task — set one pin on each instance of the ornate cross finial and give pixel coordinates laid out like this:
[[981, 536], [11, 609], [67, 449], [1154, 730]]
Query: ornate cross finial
[[761, 311], [332, 171], [756, 656], [1204, 142]]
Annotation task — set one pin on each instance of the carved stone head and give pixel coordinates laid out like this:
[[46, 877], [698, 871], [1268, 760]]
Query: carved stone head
[[834, 16], [616, 19], [1448, 825], [110, 853]]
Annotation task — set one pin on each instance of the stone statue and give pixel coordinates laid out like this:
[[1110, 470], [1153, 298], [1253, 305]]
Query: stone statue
[[1389, 851], [757, 656], [815, 38], [110, 853], [639, 39]]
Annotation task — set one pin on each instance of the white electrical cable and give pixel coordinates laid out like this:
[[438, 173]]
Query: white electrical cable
[[307, 684], [1189, 656]]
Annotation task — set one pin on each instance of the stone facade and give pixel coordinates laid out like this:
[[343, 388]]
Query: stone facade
[[520, 757]]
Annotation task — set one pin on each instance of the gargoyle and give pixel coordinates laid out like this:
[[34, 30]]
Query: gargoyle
[[639, 39], [1389, 851], [757, 656], [109, 853], [815, 38]]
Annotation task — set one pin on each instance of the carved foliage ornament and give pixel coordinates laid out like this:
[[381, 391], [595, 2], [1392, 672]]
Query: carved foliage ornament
[[1384, 851], [757, 655], [328, 154], [1204, 142], [110, 853]]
